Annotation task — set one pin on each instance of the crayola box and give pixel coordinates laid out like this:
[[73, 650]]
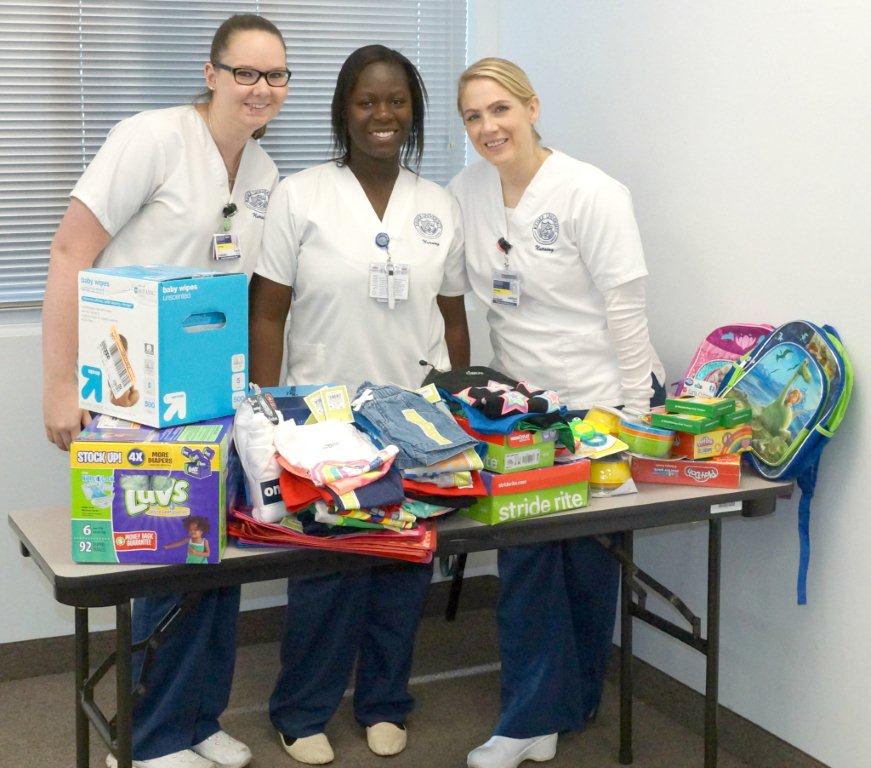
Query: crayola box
[[162, 345], [531, 494], [720, 472], [143, 495]]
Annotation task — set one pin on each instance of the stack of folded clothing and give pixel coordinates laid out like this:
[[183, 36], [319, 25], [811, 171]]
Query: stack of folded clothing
[[440, 462], [520, 426], [322, 484]]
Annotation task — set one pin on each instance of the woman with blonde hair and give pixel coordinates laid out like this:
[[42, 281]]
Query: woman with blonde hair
[[561, 235]]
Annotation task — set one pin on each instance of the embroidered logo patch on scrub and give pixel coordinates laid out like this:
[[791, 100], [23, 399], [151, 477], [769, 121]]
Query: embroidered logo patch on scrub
[[428, 225], [545, 229], [257, 200]]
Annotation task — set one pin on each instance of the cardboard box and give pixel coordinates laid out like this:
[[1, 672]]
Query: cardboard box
[[737, 417], [518, 439], [722, 472], [138, 493], [684, 422], [715, 443], [532, 494], [712, 407], [162, 345], [507, 460]]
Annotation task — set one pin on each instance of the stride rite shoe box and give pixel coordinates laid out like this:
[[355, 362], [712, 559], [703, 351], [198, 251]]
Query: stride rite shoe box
[[531, 494], [162, 345], [139, 493]]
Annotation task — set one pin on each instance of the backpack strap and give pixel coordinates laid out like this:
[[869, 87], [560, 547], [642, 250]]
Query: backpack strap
[[807, 482]]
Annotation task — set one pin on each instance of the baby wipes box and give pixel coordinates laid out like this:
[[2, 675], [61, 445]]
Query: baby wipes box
[[143, 495], [162, 345]]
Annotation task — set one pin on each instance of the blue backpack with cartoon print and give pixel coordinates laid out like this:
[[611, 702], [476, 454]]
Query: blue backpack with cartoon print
[[798, 384]]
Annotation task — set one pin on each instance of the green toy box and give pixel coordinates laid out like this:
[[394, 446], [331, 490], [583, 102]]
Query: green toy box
[[504, 460]]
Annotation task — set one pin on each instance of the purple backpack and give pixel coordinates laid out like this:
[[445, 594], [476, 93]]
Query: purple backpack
[[716, 355]]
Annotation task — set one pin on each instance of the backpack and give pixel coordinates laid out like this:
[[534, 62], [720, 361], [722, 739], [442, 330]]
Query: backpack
[[798, 384], [715, 356]]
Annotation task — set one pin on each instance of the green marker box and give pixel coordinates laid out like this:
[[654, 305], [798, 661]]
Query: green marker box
[[737, 417], [685, 422], [712, 407]]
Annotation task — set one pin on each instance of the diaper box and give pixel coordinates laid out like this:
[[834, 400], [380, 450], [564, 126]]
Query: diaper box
[[162, 345], [720, 472], [143, 495], [531, 494]]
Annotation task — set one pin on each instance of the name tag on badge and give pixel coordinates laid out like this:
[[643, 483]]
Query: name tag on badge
[[225, 247], [389, 283], [506, 288]]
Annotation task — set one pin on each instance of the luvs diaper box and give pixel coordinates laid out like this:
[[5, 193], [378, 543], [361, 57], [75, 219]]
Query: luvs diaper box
[[142, 495], [162, 345]]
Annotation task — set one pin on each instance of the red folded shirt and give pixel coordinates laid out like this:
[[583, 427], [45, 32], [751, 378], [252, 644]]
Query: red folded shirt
[[416, 545]]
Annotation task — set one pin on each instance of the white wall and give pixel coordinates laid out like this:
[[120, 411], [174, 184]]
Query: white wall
[[742, 129]]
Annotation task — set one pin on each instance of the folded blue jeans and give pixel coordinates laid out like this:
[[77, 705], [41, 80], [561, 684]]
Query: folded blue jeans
[[423, 433]]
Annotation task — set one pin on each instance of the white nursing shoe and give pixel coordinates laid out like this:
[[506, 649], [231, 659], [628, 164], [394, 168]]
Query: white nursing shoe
[[223, 750], [311, 750], [386, 739], [186, 758], [503, 752]]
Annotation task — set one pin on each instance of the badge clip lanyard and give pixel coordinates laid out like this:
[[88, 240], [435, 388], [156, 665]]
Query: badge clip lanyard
[[228, 211], [382, 240], [504, 247]]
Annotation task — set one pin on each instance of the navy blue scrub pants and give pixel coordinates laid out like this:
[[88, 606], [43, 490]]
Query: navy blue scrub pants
[[368, 616], [189, 679], [557, 607], [556, 618]]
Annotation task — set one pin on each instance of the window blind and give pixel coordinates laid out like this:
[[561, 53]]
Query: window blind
[[71, 69]]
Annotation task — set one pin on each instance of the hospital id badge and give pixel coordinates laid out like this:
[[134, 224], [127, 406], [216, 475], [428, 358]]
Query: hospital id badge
[[225, 247], [506, 287], [388, 283]]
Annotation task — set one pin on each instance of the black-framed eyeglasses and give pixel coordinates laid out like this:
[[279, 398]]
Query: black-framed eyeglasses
[[277, 78]]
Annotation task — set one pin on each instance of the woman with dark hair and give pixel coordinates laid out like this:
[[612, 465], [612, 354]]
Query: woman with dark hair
[[371, 255], [163, 184]]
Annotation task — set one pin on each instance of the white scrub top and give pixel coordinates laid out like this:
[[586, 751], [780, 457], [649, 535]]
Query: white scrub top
[[573, 235], [158, 185], [320, 238]]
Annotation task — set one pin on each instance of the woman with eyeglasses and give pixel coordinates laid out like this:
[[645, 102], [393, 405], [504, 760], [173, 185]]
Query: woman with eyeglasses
[[162, 187], [371, 256], [562, 236]]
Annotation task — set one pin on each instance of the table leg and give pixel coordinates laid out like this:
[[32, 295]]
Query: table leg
[[456, 587], [712, 668], [123, 685], [82, 672], [626, 653]]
